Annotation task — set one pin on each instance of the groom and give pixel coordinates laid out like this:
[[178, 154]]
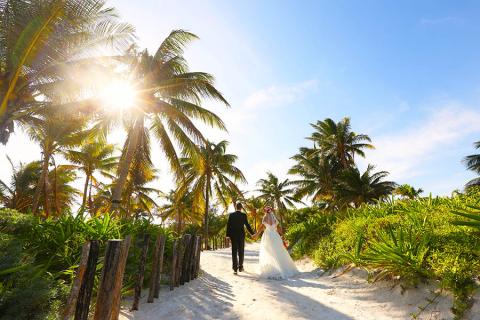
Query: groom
[[236, 232]]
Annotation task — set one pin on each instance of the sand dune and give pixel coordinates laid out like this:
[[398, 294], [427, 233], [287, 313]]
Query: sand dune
[[218, 294]]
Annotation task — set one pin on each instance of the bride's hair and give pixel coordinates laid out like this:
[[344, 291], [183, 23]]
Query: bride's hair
[[268, 209]]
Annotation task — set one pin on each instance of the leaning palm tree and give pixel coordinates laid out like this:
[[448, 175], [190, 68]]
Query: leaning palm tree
[[316, 175], [47, 48], [54, 131], [168, 98], [18, 193], [254, 206], [354, 188], [336, 140], [211, 172], [278, 194], [472, 162], [91, 157]]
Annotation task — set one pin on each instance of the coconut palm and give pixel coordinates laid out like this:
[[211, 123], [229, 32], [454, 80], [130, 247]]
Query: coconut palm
[[46, 47], [168, 99], [354, 188], [92, 156], [54, 131], [407, 191], [211, 172], [18, 193], [316, 174], [278, 194], [181, 208], [254, 206], [472, 162], [338, 141]]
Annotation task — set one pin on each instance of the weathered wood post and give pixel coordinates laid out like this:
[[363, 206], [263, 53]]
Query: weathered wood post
[[106, 289], [82, 303], [191, 254], [174, 264], [186, 258], [120, 273], [181, 251], [140, 272], [197, 261], [157, 266], [106, 286]]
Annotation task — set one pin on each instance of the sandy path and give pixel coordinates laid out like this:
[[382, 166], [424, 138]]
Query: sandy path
[[218, 294]]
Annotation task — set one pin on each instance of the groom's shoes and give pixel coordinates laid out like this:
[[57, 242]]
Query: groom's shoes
[[235, 272], [240, 269]]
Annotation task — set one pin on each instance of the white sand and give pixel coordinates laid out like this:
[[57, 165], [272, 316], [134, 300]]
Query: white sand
[[218, 294]]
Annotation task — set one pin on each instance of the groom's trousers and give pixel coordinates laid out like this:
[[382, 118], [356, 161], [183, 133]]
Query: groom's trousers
[[238, 247]]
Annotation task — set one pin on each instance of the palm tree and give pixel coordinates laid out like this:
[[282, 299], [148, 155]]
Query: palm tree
[[54, 131], [354, 188], [18, 193], [472, 162], [92, 156], [212, 171], [277, 194], [254, 206], [168, 98], [46, 47], [408, 191], [181, 208], [317, 175], [338, 141]]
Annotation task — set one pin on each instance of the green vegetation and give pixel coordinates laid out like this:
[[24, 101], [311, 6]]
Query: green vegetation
[[407, 241]]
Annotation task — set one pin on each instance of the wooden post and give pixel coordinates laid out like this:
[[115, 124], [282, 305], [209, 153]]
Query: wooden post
[[156, 268], [121, 271], [186, 258], [85, 293], [181, 250], [77, 282], [194, 254], [141, 272], [174, 264], [191, 254], [107, 286], [197, 260]]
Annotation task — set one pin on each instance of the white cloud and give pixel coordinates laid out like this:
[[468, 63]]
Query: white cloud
[[410, 152], [280, 95]]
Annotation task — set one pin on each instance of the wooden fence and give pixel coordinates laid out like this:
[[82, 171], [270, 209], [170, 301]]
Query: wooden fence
[[185, 267], [218, 242]]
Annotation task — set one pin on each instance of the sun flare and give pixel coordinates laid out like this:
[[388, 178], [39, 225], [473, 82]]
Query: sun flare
[[119, 95]]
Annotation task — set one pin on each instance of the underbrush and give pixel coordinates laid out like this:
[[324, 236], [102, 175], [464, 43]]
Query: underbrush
[[38, 259], [406, 241]]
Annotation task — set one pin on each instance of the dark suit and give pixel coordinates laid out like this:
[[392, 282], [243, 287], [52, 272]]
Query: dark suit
[[237, 221]]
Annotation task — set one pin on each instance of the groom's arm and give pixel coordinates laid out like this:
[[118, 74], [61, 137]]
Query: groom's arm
[[229, 227], [250, 230]]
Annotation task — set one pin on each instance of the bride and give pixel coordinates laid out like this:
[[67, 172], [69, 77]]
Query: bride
[[274, 260]]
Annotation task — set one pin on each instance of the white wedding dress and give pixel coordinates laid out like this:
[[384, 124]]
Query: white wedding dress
[[274, 260]]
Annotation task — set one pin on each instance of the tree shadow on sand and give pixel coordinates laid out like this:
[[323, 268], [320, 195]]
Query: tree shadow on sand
[[206, 297]]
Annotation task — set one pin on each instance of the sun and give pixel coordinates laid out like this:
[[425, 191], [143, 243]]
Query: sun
[[119, 95]]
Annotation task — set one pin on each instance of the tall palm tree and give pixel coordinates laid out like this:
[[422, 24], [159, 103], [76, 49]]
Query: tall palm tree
[[18, 193], [355, 188], [316, 174], [54, 131], [408, 191], [472, 162], [46, 47], [338, 141], [92, 156], [211, 172], [278, 194], [168, 99]]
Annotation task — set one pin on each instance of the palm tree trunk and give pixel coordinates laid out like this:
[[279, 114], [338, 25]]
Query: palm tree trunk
[[55, 190], [41, 182], [90, 202], [205, 222], [125, 162], [85, 190]]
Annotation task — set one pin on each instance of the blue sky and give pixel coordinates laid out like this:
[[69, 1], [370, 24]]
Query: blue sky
[[407, 73]]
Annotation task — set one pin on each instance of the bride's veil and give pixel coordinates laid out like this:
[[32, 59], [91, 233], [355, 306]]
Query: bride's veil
[[270, 218]]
